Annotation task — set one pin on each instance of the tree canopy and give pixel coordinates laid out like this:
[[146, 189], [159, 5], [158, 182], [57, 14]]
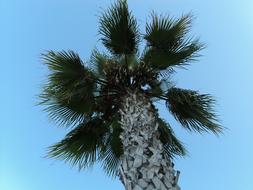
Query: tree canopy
[[87, 95]]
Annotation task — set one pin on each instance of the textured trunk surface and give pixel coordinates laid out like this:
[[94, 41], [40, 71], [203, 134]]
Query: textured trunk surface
[[144, 165]]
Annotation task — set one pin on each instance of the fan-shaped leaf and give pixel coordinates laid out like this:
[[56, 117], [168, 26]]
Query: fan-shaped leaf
[[82, 145], [167, 43], [111, 156], [172, 145], [68, 95], [193, 110], [119, 29]]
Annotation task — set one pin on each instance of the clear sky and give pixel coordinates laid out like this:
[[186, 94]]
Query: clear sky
[[29, 27]]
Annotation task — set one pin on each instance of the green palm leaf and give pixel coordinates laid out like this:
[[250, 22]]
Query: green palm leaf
[[101, 62], [168, 44], [193, 110], [111, 156], [119, 30], [68, 95], [110, 162], [82, 145], [172, 145]]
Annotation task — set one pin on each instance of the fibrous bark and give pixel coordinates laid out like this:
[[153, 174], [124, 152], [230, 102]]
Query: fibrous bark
[[144, 165]]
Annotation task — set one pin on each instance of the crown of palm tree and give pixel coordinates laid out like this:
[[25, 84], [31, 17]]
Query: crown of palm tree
[[88, 95]]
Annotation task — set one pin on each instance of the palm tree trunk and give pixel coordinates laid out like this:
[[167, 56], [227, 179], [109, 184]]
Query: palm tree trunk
[[144, 165]]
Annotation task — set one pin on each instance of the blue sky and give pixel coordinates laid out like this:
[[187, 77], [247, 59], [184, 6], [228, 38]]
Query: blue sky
[[225, 70]]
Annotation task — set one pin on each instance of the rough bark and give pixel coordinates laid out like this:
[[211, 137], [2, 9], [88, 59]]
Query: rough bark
[[144, 164]]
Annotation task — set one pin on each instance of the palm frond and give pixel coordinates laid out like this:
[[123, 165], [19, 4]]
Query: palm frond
[[100, 62], [115, 141], [119, 30], [82, 145], [64, 113], [110, 162], [172, 146], [168, 44], [68, 95], [111, 156], [193, 110]]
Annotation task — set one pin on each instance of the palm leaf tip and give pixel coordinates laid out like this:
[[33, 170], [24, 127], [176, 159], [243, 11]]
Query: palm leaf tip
[[172, 145], [193, 110], [110, 157], [110, 162], [168, 44], [68, 95], [164, 32], [119, 30], [82, 145]]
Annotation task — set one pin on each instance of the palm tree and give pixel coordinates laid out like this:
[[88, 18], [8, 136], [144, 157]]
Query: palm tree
[[109, 100]]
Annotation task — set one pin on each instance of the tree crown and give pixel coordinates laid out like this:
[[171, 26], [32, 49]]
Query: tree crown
[[88, 95]]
